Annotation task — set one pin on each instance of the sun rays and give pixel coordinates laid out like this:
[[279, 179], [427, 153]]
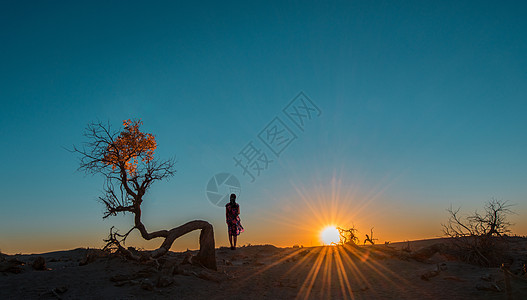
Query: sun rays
[[344, 271], [339, 271], [311, 207]]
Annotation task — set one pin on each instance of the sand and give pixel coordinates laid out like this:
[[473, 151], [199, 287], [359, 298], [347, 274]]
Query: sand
[[266, 272]]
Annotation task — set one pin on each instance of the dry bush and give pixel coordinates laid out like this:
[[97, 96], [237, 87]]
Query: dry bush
[[370, 238], [480, 238], [348, 236]]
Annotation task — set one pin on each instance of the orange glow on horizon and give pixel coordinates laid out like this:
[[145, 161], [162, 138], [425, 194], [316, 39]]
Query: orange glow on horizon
[[310, 208]]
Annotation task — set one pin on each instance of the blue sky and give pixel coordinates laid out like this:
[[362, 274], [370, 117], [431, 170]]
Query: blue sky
[[422, 106]]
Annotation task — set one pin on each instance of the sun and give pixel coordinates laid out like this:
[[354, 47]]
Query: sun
[[330, 235]]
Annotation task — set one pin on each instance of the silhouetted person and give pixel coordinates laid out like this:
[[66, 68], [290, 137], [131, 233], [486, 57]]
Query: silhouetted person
[[234, 224]]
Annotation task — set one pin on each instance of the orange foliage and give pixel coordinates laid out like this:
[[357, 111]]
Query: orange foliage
[[129, 146]]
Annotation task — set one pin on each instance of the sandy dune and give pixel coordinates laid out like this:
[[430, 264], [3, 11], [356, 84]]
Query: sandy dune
[[264, 272]]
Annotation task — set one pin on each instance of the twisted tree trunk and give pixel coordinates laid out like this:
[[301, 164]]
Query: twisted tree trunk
[[207, 253]]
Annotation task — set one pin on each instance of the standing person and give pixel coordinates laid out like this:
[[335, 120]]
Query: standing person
[[234, 224]]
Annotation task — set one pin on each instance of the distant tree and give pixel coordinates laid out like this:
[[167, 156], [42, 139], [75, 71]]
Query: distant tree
[[370, 238], [126, 159], [348, 236], [477, 236], [492, 223]]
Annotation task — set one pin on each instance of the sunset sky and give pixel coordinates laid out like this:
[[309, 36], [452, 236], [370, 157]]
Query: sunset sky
[[412, 106]]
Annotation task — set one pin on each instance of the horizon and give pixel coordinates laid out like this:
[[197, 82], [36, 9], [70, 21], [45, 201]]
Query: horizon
[[409, 108]]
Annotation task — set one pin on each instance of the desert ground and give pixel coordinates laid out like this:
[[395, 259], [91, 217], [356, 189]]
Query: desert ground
[[394, 271]]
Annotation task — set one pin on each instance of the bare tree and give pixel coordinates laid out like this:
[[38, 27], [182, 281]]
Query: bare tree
[[370, 239], [126, 159], [492, 222], [347, 236], [476, 236]]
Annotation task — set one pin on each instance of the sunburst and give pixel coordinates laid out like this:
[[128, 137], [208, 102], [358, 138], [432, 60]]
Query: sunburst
[[330, 235], [340, 271]]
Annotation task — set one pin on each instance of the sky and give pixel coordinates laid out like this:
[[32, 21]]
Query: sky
[[410, 107]]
